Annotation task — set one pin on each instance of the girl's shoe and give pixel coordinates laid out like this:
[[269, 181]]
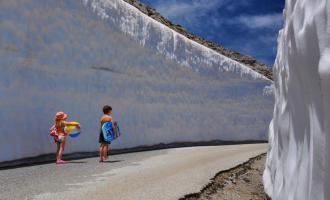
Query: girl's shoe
[[61, 162]]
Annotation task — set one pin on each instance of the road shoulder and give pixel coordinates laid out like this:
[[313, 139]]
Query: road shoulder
[[241, 182]]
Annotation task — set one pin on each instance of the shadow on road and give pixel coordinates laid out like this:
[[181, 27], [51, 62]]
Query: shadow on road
[[112, 161], [50, 158], [76, 162]]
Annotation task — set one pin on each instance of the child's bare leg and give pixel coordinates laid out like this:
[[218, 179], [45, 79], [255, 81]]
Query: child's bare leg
[[61, 149], [106, 151], [58, 149], [101, 151]]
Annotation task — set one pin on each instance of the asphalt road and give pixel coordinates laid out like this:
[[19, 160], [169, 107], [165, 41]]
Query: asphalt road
[[161, 174]]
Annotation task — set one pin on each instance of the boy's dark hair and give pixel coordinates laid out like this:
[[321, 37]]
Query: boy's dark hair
[[106, 109]]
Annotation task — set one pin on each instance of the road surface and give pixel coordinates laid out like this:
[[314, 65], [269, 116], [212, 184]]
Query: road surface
[[161, 174]]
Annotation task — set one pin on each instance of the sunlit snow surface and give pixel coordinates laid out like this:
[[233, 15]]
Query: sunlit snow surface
[[298, 163], [76, 56]]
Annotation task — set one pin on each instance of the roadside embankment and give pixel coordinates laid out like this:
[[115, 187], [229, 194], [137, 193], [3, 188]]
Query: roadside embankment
[[242, 182]]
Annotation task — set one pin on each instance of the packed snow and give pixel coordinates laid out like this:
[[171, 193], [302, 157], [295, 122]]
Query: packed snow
[[298, 160], [77, 56]]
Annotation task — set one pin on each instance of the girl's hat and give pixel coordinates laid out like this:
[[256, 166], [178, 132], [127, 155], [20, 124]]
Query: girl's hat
[[60, 115]]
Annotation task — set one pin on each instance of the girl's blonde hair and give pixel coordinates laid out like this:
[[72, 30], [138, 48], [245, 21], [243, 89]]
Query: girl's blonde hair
[[58, 123]]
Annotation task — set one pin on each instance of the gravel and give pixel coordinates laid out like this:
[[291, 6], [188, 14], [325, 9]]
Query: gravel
[[242, 182]]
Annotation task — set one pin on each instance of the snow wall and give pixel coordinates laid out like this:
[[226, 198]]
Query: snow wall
[[77, 56], [298, 163]]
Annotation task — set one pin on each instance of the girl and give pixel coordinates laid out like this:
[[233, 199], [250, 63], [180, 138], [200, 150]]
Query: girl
[[59, 125]]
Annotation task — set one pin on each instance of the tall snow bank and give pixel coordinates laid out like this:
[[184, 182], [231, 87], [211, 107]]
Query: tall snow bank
[[77, 56], [298, 163], [149, 32]]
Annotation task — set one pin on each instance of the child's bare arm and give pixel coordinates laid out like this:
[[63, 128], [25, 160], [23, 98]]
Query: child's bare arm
[[113, 125]]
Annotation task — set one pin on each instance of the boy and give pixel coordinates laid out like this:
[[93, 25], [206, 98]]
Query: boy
[[104, 145]]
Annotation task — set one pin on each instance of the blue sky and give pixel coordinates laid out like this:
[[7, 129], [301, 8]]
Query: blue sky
[[247, 26]]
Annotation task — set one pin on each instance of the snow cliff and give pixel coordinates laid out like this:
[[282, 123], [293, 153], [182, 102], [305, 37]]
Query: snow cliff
[[76, 56], [298, 160]]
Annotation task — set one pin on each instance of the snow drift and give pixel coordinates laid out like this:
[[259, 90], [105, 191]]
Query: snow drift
[[77, 56], [298, 160]]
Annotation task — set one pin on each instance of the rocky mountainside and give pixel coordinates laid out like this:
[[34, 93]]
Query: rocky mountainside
[[247, 60]]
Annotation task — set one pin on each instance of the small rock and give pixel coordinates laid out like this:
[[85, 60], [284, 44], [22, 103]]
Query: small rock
[[246, 180]]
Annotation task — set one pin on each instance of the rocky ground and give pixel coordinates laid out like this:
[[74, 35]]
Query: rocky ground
[[242, 182]]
